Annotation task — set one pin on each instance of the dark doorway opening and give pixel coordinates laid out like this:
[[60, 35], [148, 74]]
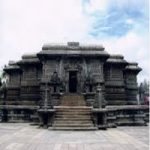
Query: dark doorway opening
[[45, 119], [72, 81]]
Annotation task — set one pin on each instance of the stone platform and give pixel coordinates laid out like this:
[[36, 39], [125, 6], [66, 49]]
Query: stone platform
[[18, 136]]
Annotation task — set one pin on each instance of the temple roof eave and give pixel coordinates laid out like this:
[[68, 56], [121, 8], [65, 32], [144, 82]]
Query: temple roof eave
[[116, 59], [11, 68], [21, 62], [133, 66], [29, 59], [73, 53], [133, 70]]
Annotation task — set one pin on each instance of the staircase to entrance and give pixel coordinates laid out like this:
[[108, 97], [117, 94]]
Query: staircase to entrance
[[73, 114]]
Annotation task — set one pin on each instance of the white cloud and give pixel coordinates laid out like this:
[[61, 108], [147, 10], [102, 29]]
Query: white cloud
[[95, 5], [28, 24], [135, 48], [130, 21]]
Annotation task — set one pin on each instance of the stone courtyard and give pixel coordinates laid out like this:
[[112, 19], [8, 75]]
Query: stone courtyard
[[23, 136]]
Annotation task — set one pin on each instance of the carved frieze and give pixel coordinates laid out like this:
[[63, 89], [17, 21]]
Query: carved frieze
[[116, 73], [29, 73], [95, 67], [73, 64]]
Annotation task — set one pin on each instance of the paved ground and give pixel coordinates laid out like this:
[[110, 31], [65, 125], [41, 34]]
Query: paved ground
[[26, 137]]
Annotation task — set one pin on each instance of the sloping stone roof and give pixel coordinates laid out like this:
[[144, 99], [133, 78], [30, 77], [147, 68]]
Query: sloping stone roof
[[133, 66], [73, 48], [29, 58], [11, 66], [116, 59]]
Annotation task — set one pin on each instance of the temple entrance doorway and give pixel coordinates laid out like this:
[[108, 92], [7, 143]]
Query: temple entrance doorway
[[45, 119], [72, 81]]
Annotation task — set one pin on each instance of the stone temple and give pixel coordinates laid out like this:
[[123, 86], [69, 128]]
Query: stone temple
[[72, 86]]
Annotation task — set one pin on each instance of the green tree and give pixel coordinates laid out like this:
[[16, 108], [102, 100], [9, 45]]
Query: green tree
[[0, 82], [2, 76], [146, 86]]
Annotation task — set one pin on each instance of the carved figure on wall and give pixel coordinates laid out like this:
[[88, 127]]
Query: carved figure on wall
[[88, 84], [89, 78], [62, 87], [54, 78]]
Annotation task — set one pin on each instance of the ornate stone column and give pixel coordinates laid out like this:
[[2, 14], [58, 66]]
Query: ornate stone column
[[99, 100]]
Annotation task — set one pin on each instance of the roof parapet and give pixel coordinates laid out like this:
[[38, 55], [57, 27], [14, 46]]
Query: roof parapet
[[29, 56], [116, 59], [12, 65], [29, 59], [72, 45], [133, 66]]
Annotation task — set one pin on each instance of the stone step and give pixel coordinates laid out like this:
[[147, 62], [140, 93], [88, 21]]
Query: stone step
[[72, 107], [73, 119], [73, 128], [73, 104], [73, 97], [73, 113], [73, 100], [73, 116], [73, 122], [73, 110], [73, 125]]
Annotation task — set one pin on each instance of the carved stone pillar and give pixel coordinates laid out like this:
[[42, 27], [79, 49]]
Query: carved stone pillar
[[99, 100]]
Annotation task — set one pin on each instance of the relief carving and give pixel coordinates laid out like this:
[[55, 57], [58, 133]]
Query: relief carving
[[73, 64], [54, 78]]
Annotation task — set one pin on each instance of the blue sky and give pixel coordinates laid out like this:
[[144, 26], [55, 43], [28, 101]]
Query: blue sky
[[116, 18], [121, 26]]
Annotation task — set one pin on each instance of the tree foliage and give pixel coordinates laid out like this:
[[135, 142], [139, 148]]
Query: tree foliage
[[145, 85]]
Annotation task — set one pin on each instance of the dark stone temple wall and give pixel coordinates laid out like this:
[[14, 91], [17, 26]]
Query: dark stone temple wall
[[107, 82], [114, 80], [86, 68], [13, 92], [30, 83], [50, 65], [130, 75]]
